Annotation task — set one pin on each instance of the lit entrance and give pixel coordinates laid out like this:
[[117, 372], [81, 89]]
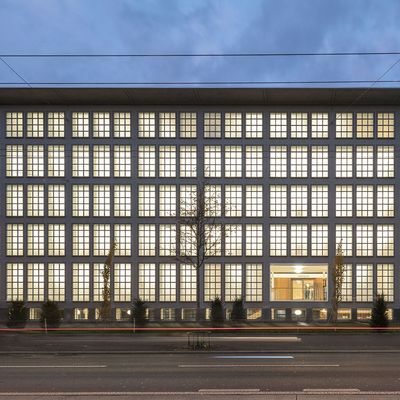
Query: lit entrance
[[295, 282]]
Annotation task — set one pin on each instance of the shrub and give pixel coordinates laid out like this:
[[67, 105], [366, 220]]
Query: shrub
[[17, 314], [238, 312], [217, 311], [139, 312], [379, 315], [51, 313]]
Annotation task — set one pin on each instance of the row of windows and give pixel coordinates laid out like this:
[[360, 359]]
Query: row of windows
[[215, 124]]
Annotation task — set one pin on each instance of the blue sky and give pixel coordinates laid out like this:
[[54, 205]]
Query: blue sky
[[195, 26]]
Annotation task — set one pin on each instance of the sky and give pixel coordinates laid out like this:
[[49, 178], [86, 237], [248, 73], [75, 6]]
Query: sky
[[198, 26]]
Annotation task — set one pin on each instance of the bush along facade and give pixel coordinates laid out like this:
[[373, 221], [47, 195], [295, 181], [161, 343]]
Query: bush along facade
[[379, 315], [238, 311], [217, 312], [51, 315], [17, 314], [139, 312]]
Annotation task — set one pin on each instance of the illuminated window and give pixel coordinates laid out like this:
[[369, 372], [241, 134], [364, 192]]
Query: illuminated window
[[122, 125], [298, 201], [385, 240], [101, 125], [80, 124], [319, 125], [298, 124], [365, 125], [364, 282], [167, 282], [385, 125], [122, 282], [14, 124], [344, 125], [298, 240], [298, 160], [15, 282], [233, 282], [80, 240], [319, 200], [147, 162], [167, 198], [212, 201], [233, 161], [101, 239], [254, 161], [233, 125], [15, 161], [80, 161], [347, 283], [278, 125], [122, 201], [385, 162], [122, 161], [364, 240], [56, 124], [147, 239], [212, 161], [233, 240], [188, 161], [122, 237], [147, 125], [35, 124], [56, 281], [35, 161], [56, 240], [167, 239], [147, 201], [254, 240], [167, 161], [254, 125], [212, 125], [101, 201], [319, 162], [15, 239], [56, 161], [365, 201], [233, 201], [278, 201], [80, 282], [80, 200], [319, 240], [254, 282], [35, 240], [188, 125], [213, 239], [188, 200], [344, 235], [212, 282], [15, 201], [344, 161], [35, 282], [365, 162], [188, 240], [385, 201], [167, 126], [98, 282], [278, 240], [385, 281], [188, 282], [101, 161], [344, 200], [254, 201], [278, 162], [147, 282]]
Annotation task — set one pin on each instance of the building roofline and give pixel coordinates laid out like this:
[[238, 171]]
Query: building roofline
[[201, 96]]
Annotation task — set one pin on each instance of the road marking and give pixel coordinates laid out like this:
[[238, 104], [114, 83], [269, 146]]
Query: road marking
[[258, 365], [230, 391], [258, 338], [257, 357], [53, 366], [332, 390]]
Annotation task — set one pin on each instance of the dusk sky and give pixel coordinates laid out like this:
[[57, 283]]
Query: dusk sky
[[199, 26]]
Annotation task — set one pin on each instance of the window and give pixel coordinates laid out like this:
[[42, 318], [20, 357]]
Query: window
[[167, 240], [147, 201], [298, 240], [319, 240], [167, 122], [365, 125], [122, 237], [298, 201], [101, 239], [35, 124], [122, 200], [147, 161], [298, 123], [122, 125], [212, 161], [80, 240], [365, 201], [80, 282], [364, 282], [278, 125], [233, 161], [56, 124], [212, 201], [254, 125], [212, 282], [188, 200], [278, 201], [233, 125], [385, 281], [101, 201], [35, 161], [35, 240], [56, 240], [15, 201], [254, 240], [35, 282], [15, 161], [101, 125], [233, 282], [344, 162], [98, 282], [319, 200], [233, 240], [188, 282], [344, 200], [188, 240], [80, 200], [122, 161], [212, 125], [147, 282], [56, 161], [254, 282], [147, 125], [254, 162], [14, 124], [385, 162], [298, 160], [347, 283], [15, 239], [278, 240], [385, 201], [188, 161], [278, 162], [167, 162], [344, 125], [101, 161], [365, 162], [56, 281], [344, 235], [319, 125], [15, 282], [319, 161], [80, 161], [233, 201], [167, 282], [80, 124], [385, 240], [122, 282], [167, 200], [364, 240], [188, 125], [254, 201], [147, 239], [385, 125]]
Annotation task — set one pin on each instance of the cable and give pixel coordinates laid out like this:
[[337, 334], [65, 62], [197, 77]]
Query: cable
[[15, 72]]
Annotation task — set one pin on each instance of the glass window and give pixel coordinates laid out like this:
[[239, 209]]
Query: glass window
[[385, 162], [80, 124], [365, 201], [188, 124], [147, 201], [122, 125], [254, 282], [188, 200], [278, 240], [344, 200], [254, 240], [213, 239], [80, 200], [212, 125], [385, 240], [344, 162], [56, 161], [212, 161], [56, 240], [101, 161], [167, 128], [385, 125], [122, 237], [80, 239], [319, 240], [212, 282], [319, 125], [15, 282], [233, 282], [167, 162], [278, 162], [147, 239], [385, 281], [188, 161], [188, 282], [344, 235], [101, 239], [233, 125], [147, 161], [80, 282], [365, 162], [188, 240], [385, 201], [298, 160], [35, 240], [122, 161], [122, 200], [167, 239], [365, 125], [212, 201], [319, 200], [15, 201], [35, 124], [14, 124], [101, 124], [364, 240], [254, 162], [56, 124], [101, 201], [167, 198], [364, 282], [15, 161], [347, 283], [278, 201], [35, 161], [344, 125], [254, 201], [15, 239], [254, 125], [233, 201], [233, 161], [298, 122], [233, 240], [298, 201], [298, 240], [167, 282], [278, 125], [122, 282], [147, 125], [56, 281], [80, 161], [147, 282], [319, 162]]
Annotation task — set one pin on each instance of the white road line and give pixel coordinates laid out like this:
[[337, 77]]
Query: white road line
[[257, 357], [229, 390], [53, 366], [258, 365], [344, 390]]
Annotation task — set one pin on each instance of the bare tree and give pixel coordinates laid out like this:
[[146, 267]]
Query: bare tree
[[105, 308], [337, 272]]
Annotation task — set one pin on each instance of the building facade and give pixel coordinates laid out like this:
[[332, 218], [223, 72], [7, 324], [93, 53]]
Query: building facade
[[288, 175]]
